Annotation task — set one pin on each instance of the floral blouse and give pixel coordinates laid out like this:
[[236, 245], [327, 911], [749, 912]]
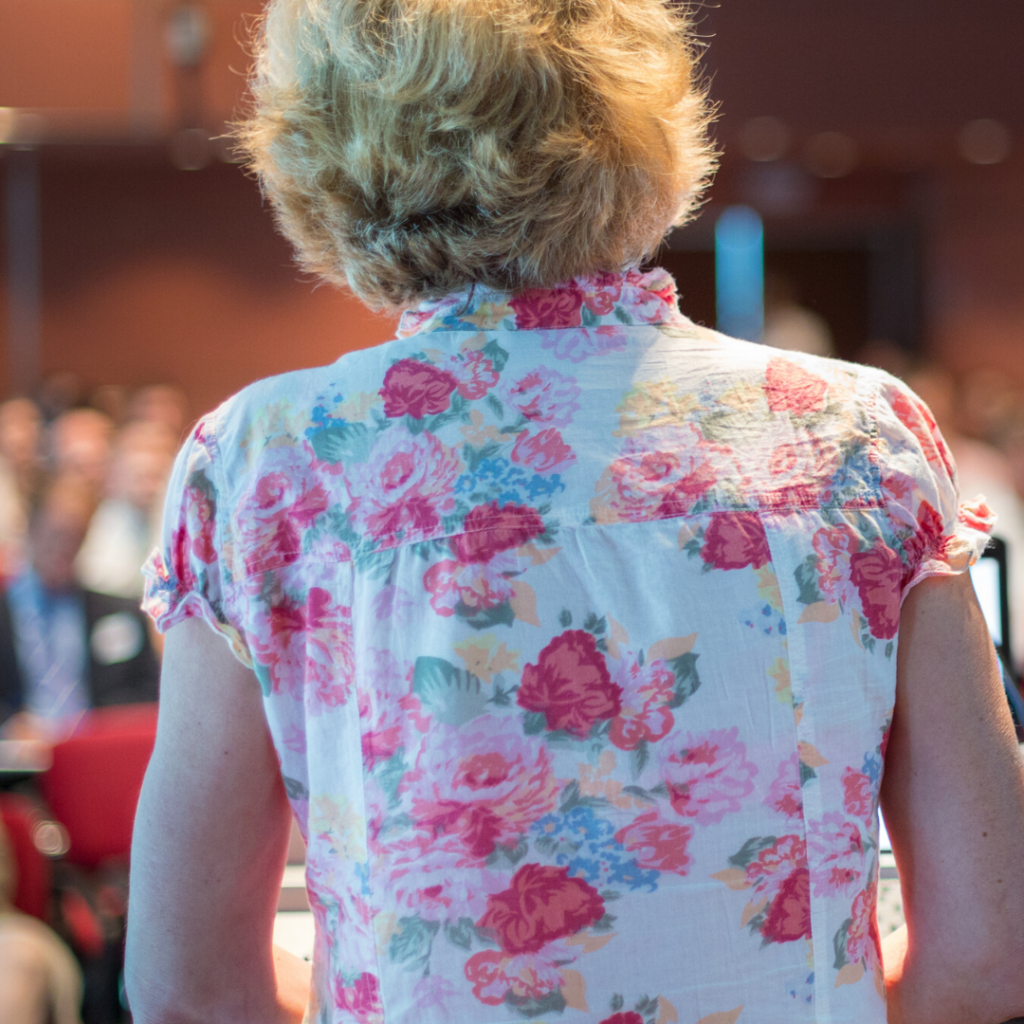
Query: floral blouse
[[576, 625]]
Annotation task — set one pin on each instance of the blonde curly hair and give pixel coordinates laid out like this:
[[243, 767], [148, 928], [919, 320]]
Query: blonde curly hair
[[413, 147]]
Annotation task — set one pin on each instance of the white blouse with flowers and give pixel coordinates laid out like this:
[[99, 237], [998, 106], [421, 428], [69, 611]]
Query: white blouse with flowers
[[576, 626]]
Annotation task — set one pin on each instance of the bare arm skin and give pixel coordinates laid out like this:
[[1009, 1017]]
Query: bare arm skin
[[953, 796], [211, 837]]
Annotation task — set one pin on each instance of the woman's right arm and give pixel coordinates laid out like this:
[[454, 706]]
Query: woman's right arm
[[953, 797]]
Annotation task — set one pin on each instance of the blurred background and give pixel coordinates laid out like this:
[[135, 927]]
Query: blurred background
[[870, 205]]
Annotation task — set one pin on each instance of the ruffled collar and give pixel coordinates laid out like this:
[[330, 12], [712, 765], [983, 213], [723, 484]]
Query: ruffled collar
[[599, 300]]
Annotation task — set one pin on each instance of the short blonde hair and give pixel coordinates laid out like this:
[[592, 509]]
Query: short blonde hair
[[413, 147]]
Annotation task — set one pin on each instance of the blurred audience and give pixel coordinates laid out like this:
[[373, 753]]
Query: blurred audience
[[40, 981], [788, 325], [20, 476], [64, 649], [163, 404], [80, 441], [126, 525]]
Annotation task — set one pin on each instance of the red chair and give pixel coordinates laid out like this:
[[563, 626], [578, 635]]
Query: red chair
[[21, 816], [93, 786]]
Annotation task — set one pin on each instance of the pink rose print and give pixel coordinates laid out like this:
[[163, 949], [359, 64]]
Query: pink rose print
[[570, 685], [600, 291], [734, 540], [927, 540], [863, 943], [836, 852], [181, 561], [476, 375], [541, 904], [553, 308], [789, 916], [646, 692], [877, 574], [584, 342], [200, 515], [790, 388], [490, 529], [785, 794], [660, 472], [834, 545], [434, 992], [307, 648], [544, 396], [772, 866], [417, 389], [800, 473], [471, 790], [858, 795], [456, 587], [917, 418], [484, 972], [388, 709], [526, 975], [283, 502], [361, 998], [709, 776], [405, 486], [658, 844], [628, 1017], [429, 880], [543, 452]]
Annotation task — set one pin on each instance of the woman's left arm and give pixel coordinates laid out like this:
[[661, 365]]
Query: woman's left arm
[[211, 837]]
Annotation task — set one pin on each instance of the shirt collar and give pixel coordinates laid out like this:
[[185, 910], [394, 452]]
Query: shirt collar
[[619, 299]]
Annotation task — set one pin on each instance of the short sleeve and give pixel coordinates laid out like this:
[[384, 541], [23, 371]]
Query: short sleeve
[[940, 534], [184, 575]]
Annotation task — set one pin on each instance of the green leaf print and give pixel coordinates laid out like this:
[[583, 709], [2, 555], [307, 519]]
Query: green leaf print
[[617, 1002], [588, 317], [595, 624], [640, 757], [473, 456], [296, 790], [565, 618], [687, 680], [527, 1006], [807, 580], [806, 773], [497, 355], [451, 695], [750, 849], [460, 933], [497, 406], [411, 943], [507, 856], [342, 442], [534, 723], [500, 615], [390, 775], [839, 944]]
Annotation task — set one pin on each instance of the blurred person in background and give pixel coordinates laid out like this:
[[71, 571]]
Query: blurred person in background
[[40, 980], [79, 448], [578, 638], [790, 326], [63, 649], [125, 526], [982, 468], [20, 475], [162, 404]]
